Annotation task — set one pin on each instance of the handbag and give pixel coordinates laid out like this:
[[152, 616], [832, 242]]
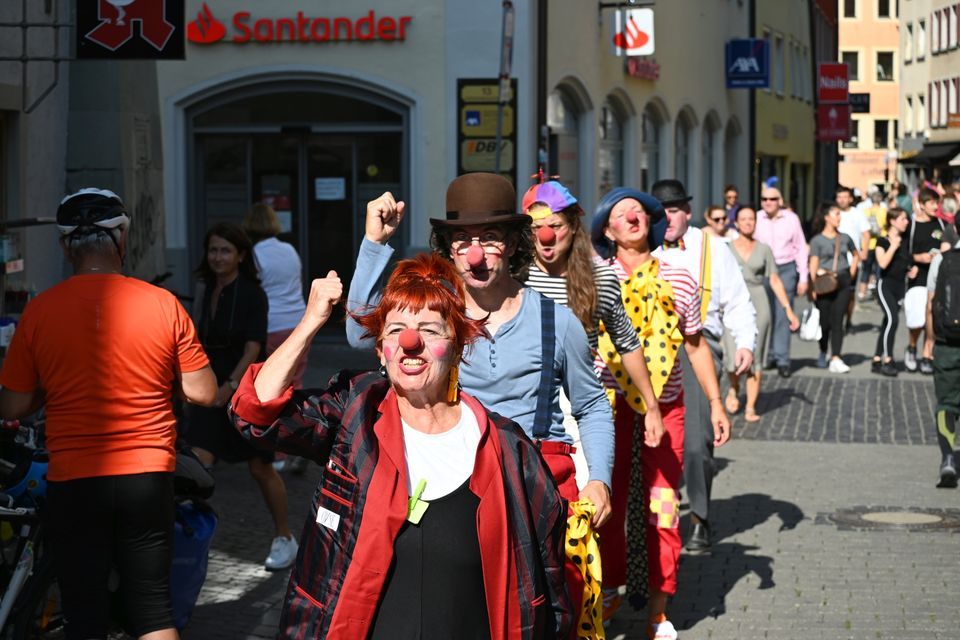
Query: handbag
[[810, 330], [827, 282]]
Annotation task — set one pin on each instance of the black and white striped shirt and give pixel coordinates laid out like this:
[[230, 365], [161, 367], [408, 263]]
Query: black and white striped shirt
[[609, 304]]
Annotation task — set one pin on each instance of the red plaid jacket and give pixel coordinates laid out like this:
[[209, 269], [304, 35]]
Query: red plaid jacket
[[353, 430]]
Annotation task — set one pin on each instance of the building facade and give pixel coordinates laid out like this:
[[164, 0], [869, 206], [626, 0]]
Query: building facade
[[930, 117], [869, 43], [785, 133]]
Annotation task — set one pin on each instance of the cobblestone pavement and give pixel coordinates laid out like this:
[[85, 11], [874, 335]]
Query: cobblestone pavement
[[796, 553]]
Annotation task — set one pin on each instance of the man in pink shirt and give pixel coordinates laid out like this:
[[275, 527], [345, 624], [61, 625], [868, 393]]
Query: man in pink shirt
[[780, 229]]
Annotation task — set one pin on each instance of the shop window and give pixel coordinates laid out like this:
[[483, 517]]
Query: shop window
[[710, 182], [854, 141], [650, 161], [852, 60], [885, 66], [849, 8], [881, 133], [611, 148], [681, 148], [564, 122]]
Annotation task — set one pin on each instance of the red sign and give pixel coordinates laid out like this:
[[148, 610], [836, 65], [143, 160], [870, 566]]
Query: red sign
[[124, 28], [833, 122], [207, 29], [832, 84], [643, 68]]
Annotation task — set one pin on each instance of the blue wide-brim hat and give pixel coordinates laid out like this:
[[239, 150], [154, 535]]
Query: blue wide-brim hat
[[658, 218]]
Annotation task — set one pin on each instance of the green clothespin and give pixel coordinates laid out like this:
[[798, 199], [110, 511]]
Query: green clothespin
[[415, 506]]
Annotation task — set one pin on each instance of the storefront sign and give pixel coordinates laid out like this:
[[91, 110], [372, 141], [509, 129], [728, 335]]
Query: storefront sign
[[953, 121], [860, 102], [633, 32], [747, 63], [207, 29], [832, 85], [833, 122], [329, 188], [125, 29], [477, 104], [643, 68]]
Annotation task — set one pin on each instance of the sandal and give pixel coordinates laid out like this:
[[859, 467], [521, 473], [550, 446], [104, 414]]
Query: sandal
[[751, 415], [732, 403]]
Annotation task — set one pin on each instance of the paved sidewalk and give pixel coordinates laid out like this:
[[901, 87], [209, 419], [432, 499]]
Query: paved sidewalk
[[781, 566]]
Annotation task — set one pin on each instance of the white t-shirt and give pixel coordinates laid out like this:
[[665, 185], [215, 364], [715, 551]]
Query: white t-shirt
[[279, 267], [853, 223], [445, 459]]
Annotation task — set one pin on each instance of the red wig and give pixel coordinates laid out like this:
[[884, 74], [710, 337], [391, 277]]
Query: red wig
[[426, 281]]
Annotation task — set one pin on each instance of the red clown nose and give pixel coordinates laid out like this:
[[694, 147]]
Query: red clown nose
[[410, 340], [475, 256], [546, 235], [632, 217]]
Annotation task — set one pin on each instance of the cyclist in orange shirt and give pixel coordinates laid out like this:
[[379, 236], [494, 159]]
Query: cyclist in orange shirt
[[105, 354]]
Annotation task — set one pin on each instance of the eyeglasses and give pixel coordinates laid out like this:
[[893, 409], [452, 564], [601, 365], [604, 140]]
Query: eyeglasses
[[488, 240], [769, 199]]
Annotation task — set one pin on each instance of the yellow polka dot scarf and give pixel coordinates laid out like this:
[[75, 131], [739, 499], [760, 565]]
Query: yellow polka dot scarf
[[648, 300], [582, 550]]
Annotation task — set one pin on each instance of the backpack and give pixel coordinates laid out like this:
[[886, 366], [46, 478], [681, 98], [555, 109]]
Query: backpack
[[946, 298]]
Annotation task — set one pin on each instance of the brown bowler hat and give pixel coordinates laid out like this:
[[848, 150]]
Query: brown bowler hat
[[481, 198]]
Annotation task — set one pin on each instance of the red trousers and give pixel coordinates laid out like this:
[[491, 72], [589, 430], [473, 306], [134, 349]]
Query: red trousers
[[662, 472], [557, 457]]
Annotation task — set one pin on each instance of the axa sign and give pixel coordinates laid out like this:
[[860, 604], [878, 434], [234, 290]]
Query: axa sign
[[130, 29], [747, 63], [244, 27]]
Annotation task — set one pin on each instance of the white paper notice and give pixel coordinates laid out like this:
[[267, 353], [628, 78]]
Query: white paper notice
[[330, 188], [286, 221]]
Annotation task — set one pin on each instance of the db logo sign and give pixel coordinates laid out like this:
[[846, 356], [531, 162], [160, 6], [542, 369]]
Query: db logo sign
[[633, 32], [124, 29]]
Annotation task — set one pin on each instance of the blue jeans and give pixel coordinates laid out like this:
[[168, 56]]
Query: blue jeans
[[780, 331]]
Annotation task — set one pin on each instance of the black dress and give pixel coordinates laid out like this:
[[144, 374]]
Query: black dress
[[435, 587], [241, 317]]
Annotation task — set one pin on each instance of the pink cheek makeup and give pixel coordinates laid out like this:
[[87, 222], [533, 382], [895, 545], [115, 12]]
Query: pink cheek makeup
[[441, 350]]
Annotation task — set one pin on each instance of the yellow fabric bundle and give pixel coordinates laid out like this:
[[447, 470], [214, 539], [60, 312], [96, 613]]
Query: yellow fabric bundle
[[582, 550]]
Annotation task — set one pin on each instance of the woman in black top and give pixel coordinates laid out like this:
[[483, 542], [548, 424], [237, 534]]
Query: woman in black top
[[895, 266], [233, 331]]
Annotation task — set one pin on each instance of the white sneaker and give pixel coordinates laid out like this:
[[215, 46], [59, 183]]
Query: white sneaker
[[838, 366], [664, 631], [283, 551], [910, 359]]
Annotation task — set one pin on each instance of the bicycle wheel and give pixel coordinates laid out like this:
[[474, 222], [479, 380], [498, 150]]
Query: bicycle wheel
[[38, 611]]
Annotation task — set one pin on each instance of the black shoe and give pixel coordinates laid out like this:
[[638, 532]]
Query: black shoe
[[699, 537], [770, 366], [889, 369], [926, 366], [784, 371], [876, 366]]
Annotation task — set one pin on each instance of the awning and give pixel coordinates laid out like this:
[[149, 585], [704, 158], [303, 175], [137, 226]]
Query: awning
[[956, 161], [932, 153]]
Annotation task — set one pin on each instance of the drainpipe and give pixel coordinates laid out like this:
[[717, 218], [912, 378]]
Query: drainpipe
[[752, 110], [543, 135]]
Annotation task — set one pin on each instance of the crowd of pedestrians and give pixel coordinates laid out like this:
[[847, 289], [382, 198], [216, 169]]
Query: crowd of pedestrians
[[449, 498]]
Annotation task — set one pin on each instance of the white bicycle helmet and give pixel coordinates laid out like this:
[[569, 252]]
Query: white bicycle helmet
[[91, 208]]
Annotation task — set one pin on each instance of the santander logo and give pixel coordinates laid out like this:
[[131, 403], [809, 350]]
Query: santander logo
[[632, 36], [244, 28], [206, 29]]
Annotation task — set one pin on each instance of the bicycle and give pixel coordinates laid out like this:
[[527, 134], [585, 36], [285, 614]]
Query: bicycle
[[30, 605]]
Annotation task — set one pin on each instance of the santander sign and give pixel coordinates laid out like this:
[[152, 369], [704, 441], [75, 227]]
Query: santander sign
[[207, 29]]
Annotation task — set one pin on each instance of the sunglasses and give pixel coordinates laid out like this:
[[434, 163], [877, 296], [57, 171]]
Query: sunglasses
[[769, 199], [719, 220]]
